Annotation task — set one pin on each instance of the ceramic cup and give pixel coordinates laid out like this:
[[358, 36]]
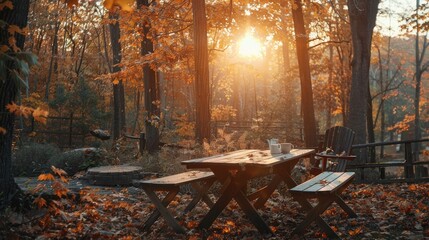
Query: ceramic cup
[[286, 147], [275, 148]]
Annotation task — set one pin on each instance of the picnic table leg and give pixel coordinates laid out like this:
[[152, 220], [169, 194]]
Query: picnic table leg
[[218, 207], [265, 193], [252, 213], [200, 195], [314, 214], [162, 210]]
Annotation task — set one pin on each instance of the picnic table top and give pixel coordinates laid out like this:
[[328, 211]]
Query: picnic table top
[[241, 159]]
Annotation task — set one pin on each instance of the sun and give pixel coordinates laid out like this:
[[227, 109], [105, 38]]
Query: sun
[[250, 47]]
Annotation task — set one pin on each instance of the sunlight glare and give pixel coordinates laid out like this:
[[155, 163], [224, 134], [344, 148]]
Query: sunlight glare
[[250, 47]]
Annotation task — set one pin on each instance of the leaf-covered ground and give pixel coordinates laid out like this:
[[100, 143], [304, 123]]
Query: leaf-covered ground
[[391, 211]]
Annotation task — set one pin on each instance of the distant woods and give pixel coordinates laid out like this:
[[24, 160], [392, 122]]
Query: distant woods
[[148, 70]]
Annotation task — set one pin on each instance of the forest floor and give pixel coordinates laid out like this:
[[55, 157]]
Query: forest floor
[[389, 211]]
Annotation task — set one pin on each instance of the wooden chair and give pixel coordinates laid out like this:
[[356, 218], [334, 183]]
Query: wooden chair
[[336, 146]]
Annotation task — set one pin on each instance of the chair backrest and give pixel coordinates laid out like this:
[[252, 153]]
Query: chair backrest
[[340, 139]]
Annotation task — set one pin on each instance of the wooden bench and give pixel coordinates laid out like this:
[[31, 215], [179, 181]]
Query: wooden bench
[[326, 187], [199, 180]]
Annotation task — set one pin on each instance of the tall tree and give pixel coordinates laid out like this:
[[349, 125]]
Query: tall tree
[[202, 86], [151, 89], [9, 88], [421, 67], [118, 86], [301, 39], [362, 15]]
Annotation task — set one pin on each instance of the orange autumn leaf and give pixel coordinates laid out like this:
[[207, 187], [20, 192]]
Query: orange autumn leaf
[[58, 171], [46, 177], [40, 202], [12, 107], [355, 231], [115, 82], [412, 187], [19, 110], [40, 115], [2, 131]]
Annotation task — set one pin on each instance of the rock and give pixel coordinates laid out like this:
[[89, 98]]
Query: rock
[[78, 159]]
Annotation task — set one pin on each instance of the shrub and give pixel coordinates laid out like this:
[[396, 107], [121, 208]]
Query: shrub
[[32, 159]]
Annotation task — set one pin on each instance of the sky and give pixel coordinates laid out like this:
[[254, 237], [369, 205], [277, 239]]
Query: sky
[[395, 8]]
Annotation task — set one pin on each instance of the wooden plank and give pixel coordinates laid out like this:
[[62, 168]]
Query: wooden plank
[[340, 181], [324, 183], [220, 156], [311, 182], [252, 158], [175, 180]]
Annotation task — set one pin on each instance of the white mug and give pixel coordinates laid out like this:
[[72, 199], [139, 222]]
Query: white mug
[[286, 147], [275, 148]]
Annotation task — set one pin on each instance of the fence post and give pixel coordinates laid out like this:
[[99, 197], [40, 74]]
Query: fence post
[[408, 167]]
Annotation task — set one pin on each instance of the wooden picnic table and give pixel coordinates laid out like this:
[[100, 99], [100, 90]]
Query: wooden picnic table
[[235, 169]]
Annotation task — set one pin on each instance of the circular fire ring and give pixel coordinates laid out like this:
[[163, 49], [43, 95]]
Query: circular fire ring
[[115, 175]]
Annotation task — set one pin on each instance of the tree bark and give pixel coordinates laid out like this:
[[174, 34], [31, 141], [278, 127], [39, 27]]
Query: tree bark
[[8, 91], [202, 86], [301, 38], [362, 14], [118, 89], [151, 91]]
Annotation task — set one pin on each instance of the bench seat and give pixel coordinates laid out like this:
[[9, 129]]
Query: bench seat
[[326, 187], [200, 181]]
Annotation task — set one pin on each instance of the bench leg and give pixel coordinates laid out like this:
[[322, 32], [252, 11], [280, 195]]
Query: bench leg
[[162, 210], [344, 206], [313, 214], [201, 195]]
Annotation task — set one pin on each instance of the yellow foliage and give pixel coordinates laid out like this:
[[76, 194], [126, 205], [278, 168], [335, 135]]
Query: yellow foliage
[[40, 115], [123, 4]]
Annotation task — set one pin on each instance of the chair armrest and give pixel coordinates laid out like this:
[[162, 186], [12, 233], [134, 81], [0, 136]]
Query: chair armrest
[[325, 157]]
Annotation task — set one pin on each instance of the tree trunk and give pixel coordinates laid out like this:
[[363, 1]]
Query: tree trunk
[[289, 83], [53, 65], [202, 86], [362, 14], [419, 58], [301, 38], [370, 123], [151, 91], [8, 92], [115, 35]]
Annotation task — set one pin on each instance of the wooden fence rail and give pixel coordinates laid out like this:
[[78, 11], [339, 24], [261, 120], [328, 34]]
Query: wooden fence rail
[[415, 169], [62, 131]]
